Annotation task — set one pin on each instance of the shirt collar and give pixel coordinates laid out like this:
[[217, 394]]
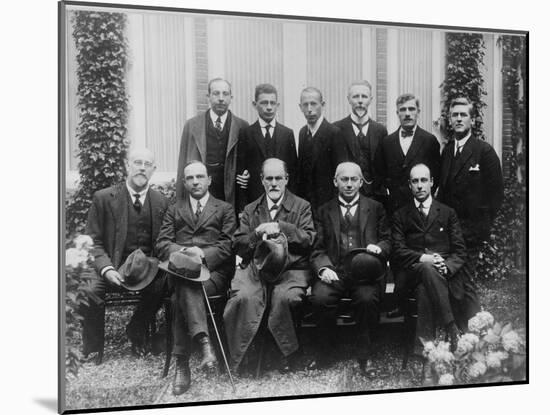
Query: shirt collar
[[356, 119], [263, 123], [462, 141], [426, 203], [141, 194], [316, 126], [270, 202], [355, 199], [214, 117], [203, 201]]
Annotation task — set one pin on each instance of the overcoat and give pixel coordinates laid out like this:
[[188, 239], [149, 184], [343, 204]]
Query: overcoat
[[193, 147], [246, 306]]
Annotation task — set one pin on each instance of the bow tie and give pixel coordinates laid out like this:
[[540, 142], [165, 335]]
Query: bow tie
[[406, 133]]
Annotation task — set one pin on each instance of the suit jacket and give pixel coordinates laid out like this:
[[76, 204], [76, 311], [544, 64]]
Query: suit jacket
[[363, 153], [318, 158], [212, 232], [372, 222], [413, 236], [393, 167], [108, 223], [473, 187], [193, 147], [252, 153]]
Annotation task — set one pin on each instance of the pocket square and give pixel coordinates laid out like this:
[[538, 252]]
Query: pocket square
[[441, 229], [474, 168]]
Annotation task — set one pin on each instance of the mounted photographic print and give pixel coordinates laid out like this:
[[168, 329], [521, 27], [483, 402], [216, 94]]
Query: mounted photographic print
[[277, 207]]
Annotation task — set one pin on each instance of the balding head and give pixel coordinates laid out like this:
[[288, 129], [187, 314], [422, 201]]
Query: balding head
[[140, 166], [348, 179]]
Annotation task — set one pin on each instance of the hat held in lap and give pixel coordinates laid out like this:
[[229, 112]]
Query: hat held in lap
[[186, 264], [271, 258], [138, 270], [363, 267]]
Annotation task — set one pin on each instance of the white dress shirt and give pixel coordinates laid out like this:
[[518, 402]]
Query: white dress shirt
[[353, 209], [426, 205], [273, 123], [270, 204], [133, 193], [194, 201], [459, 144], [214, 117], [406, 142], [313, 130], [356, 119]]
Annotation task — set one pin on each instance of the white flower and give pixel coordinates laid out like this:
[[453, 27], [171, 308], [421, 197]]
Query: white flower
[[83, 242], [481, 321], [486, 318], [477, 369], [75, 257], [493, 360], [446, 379], [466, 342], [512, 342]]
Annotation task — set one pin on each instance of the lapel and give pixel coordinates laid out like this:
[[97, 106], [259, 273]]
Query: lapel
[[119, 210], [199, 134], [395, 145], [351, 138], [432, 214], [416, 144], [446, 159], [462, 158], [334, 214], [233, 133], [155, 199], [208, 211], [363, 212], [262, 212], [258, 136], [185, 211], [371, 139]]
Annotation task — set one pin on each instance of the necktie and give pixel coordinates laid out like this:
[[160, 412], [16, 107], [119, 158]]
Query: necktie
[[406, 133], [421, 210], [269, 142], [347, 215], [267, 135], [458, 150], [199, 209], [360, 127], [273, 210], [219, 124], [137, 203]]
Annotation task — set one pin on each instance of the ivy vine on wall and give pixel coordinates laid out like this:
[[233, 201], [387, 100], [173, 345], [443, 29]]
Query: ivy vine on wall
[[101, 54], [463, 77]]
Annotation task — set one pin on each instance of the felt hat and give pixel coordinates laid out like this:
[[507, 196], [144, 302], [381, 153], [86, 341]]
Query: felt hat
[[138, 271], [271, 258], [186, 264], [363, 267]]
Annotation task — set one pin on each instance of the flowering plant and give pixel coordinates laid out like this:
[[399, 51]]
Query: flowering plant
[[489, 352], [77, 272]]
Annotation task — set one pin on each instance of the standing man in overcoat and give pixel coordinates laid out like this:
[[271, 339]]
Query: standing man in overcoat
[[404, 148], [277, 212], [471, 180], [203, 225], [121, 219], [211, 137], [361, 136], [320, 150]]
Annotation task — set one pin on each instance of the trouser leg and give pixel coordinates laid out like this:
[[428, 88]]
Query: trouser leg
[[365, 301], [93, 323]]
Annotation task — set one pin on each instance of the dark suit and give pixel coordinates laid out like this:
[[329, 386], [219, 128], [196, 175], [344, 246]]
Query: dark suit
[[212, 233], [193, 147], [108, 227], [393, 167], [253, 151], [318, 157], [327, 253], [441, 299], [363, 152], [246, 306]]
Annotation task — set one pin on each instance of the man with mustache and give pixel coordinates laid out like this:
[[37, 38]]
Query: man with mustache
[[121, 219], [266, 138], [361, 136], [275, 213], [211, 137], [198, 224], [471, 180]]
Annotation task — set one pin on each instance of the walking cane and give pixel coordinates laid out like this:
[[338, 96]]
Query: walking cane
[[218, 337]]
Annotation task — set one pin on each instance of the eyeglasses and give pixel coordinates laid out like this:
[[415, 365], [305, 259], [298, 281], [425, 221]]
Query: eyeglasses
[[141, 163]]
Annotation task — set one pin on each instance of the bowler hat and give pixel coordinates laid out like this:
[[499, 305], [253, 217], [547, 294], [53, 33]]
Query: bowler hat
[[138, 270], [271, 258], [363, 267], [186, 264]]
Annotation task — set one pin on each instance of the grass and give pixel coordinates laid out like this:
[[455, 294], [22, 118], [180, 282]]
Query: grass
[[123, 380]]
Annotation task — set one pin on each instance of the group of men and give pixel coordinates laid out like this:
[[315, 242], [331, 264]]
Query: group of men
[[318, 217]]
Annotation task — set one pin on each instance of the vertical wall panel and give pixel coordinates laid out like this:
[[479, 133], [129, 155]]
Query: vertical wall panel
[[253, 55], [334, 60], [415, 71], [164, 86]]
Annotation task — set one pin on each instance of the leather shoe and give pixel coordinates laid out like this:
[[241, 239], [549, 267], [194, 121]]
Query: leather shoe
[[285, 365], [138, 350], [182, 377], [396, 312], [209, 360], [427, 376]]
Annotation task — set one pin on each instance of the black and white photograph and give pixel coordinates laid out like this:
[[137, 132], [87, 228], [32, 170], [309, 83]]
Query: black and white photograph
[[269, 206]]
